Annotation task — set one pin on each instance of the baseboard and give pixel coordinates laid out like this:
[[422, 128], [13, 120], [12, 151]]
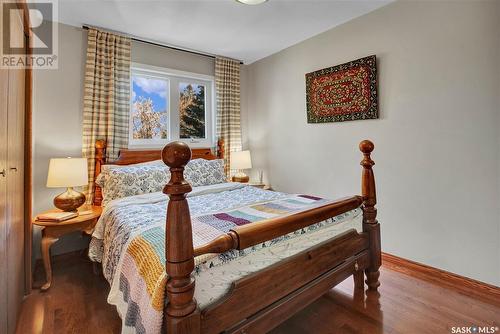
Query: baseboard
[[467, 286]]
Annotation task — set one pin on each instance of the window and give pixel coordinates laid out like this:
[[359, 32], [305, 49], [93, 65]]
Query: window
[[149, 108], [167, 105], [192, 110]]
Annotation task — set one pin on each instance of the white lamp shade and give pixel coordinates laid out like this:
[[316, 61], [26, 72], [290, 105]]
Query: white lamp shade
[[67, 172], [241, 160]]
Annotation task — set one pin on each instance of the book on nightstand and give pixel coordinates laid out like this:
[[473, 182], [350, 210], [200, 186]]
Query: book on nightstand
[[85, 210], [56, 216]]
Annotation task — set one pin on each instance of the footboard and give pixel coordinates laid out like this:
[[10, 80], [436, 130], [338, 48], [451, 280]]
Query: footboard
[[262, 300]]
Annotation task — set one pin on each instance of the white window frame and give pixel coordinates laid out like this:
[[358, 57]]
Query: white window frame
[[174, 78]]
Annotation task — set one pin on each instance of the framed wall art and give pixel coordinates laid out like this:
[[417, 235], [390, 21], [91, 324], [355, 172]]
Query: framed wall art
[[345, 92]]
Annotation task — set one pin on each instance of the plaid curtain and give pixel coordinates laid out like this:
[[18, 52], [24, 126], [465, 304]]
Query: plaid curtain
[[227, 86], [106, 99]]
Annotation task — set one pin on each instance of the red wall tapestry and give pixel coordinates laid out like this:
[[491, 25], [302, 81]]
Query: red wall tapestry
[[344, 92]]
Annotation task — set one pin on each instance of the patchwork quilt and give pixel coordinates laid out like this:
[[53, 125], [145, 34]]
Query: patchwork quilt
[[129, 241]]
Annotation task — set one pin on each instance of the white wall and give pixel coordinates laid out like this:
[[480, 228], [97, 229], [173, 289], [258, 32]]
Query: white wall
[[162, 57], [498, 126], [58, 111], [437, 139], [57, 124]]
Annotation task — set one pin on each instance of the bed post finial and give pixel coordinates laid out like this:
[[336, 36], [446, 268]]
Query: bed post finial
[[181, 311], [370, 223]]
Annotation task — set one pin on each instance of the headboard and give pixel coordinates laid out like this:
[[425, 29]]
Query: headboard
[[128, 157]]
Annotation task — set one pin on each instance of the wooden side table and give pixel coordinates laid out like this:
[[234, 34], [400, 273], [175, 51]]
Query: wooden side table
[[52, 231]]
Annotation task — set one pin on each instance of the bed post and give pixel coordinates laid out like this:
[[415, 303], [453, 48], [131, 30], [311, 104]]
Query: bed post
[[220, 148], [100, 159], [181, 313], [370, 223]]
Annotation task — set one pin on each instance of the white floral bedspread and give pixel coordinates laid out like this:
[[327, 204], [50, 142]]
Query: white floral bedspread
[[126, 220], [125, 217]]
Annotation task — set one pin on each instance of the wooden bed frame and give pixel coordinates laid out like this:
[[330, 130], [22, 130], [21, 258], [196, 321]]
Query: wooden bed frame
[[262, 300]]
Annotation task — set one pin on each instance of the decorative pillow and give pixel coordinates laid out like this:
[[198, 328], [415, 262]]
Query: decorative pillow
[[104, 168], [129, 181], [100, 179], [158, 162], [202, 172], [137, 179]]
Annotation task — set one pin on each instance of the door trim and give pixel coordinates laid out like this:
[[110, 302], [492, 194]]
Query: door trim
[[28, 154]]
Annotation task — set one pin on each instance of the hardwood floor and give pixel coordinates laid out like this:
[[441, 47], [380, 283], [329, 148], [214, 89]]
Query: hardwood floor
[[405, 305], [75, 303], [409, 302]]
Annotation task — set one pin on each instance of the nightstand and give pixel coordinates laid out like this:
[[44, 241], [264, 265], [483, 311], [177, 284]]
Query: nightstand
[[52, 231]]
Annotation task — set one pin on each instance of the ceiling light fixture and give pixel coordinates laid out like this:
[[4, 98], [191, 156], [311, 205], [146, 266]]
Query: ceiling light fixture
[[251, 2]]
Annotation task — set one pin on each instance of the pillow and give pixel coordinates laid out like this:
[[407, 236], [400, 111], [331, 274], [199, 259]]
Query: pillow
[[137, 179], [158, 162], [202, 172], [100, 178], [129, 181]]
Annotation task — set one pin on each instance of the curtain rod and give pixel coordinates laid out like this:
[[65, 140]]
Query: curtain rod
[[135, 39]]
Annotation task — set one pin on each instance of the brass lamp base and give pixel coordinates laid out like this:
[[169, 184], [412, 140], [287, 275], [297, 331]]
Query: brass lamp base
[[70, 200], [241, 179]]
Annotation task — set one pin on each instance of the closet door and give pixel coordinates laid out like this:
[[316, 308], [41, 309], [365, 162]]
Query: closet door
[[4, 92], [15, 187], [15, 191]]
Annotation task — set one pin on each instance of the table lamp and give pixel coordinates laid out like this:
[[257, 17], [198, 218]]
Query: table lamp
[[241, 160], [69, 173]]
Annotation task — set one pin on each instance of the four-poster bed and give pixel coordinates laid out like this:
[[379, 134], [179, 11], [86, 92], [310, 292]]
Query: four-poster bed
[[261, 300]]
